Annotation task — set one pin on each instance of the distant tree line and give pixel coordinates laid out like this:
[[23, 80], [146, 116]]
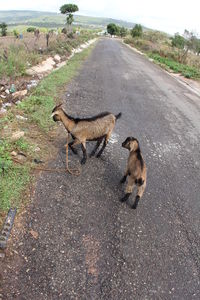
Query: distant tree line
[[188, 42], [113, 29]]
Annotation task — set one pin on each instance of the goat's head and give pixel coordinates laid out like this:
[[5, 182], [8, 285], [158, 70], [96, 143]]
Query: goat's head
[[131, 144], [56, 113]]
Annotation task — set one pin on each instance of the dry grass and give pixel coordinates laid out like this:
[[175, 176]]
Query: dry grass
[[29, 41]]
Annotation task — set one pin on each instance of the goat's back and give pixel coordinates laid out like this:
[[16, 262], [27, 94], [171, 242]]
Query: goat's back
[[92, 129]]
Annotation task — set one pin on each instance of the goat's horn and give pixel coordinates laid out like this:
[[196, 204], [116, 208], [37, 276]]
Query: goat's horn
[[53, 114]]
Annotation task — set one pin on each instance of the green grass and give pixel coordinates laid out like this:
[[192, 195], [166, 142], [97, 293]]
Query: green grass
[[185, 70], [14, 178]]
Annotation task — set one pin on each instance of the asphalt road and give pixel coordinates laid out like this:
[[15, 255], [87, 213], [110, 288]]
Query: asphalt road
[[91, 246]]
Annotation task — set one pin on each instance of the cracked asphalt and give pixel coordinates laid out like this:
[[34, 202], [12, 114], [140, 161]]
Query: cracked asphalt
[[91, 246]]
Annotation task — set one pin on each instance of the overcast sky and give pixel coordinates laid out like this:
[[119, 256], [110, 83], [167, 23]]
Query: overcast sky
[[170, 15]]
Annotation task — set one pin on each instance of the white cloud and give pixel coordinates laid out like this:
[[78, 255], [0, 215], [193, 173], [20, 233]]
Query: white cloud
[[170, 16]]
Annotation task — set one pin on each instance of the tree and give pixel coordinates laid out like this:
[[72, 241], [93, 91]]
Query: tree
[[197, 46], [112, 29], [178, 41], [3, 27], [123, 31], [68, 9], [137, 31]]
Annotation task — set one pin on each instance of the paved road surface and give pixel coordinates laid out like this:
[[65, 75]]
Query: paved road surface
[[90, 245]]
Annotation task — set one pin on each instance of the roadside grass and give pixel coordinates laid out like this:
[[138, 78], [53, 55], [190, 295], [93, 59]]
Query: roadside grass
[[15, 178], [39, 105], [157, 46], [185, 70], [16, 56], [12, 178], [16, 60]]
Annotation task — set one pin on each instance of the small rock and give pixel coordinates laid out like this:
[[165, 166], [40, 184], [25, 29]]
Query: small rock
[[57, 58], [20, 94], [17, 135], [33, 83], [7, 91], [21, 157], [34, 234], [14, 153], [37, 149], [21, 118], [7, 105], [3, 97]]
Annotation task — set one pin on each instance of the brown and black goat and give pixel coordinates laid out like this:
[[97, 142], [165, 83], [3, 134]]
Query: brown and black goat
[[94, 128], [135, 170]]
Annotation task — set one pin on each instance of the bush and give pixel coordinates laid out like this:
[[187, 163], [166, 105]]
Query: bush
[[178, 41], [30, 29], [137, 31]]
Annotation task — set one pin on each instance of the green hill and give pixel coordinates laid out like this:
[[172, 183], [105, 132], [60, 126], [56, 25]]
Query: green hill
[[51, 20]]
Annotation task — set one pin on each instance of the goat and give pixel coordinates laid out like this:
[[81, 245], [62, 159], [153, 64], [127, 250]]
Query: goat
[[94, 128], [136, 170]]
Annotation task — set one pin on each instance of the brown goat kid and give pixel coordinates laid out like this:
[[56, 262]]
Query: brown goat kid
[[95, 128], [136, 170]]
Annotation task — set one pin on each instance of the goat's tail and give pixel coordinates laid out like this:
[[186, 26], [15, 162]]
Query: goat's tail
[[118, 116]]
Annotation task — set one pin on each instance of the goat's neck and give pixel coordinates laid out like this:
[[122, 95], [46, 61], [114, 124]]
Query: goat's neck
[[135, 152], [68, 123]]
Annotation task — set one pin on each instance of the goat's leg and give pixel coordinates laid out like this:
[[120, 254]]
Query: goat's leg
[[129, 189], [140, 192], [83, 146], [96, 147], [74, 143], [125, 176], [104, 144], [71, 144]]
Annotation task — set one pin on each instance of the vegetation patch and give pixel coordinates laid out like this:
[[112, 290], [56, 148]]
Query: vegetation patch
[[185, 70], [178, 54], [14, 178]]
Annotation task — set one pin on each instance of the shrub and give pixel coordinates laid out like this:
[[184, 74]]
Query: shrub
[[30, 29], [137, 31]]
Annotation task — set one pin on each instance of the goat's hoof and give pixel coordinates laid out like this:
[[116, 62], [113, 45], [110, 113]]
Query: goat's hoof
[[123, 199], [75, 152], [83, 161], [123, 179], [98, 155], [134, 206]]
